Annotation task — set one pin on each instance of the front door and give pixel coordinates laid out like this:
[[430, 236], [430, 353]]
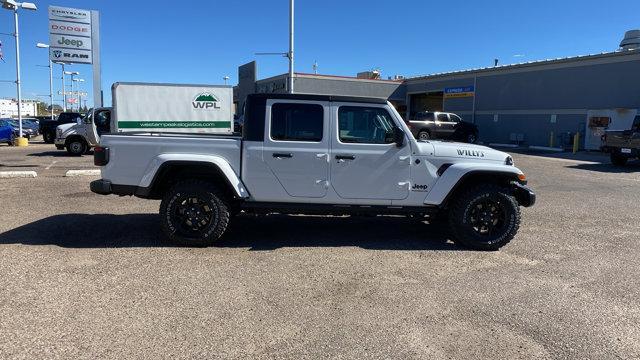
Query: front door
[[99, 122], [365, 161], [296, 146]]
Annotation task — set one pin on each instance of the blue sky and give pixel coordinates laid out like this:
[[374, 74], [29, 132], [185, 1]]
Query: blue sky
[[200, 41]]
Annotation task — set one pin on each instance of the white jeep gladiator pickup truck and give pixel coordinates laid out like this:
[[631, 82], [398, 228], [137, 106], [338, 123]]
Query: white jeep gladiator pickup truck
[[310, 154]]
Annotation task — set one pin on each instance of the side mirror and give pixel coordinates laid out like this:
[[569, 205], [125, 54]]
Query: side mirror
[[398, 136]]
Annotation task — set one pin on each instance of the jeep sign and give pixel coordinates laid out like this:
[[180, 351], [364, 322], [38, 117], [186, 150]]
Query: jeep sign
[[70, 42]]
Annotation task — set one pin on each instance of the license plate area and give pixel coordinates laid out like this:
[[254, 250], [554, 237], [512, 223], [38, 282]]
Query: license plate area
[[625, 151]]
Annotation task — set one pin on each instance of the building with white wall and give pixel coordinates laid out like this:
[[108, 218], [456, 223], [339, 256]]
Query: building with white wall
[[9, 108]]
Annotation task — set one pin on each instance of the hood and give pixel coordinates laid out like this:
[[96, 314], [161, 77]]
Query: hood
[[456, 150], [64, 127]]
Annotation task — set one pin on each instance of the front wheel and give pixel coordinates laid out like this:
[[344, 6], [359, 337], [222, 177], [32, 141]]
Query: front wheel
[[424, 135], [618, 160], [472, 138], [76, 147], [48, 137], [194, 213], [486, 217]]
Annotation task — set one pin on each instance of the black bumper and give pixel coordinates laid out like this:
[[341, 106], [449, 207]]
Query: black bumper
[[102, 187], [525, 196]]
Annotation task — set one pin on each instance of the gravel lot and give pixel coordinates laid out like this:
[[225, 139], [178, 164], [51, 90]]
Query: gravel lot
[[88, 276]]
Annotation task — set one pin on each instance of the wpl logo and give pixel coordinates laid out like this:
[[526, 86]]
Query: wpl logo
[[206, 101]]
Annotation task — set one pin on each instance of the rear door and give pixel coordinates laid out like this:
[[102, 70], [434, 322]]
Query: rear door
[[296, 146], [365, 161]]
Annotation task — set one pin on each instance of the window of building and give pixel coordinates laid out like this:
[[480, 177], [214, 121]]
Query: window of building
[[365, 125], [297, 122]]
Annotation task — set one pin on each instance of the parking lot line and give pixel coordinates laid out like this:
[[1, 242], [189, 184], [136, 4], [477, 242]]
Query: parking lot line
[[50, 165], [17, 174], [92, 172]]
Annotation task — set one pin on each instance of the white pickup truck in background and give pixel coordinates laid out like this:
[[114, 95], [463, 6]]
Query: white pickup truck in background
[[315, 154]]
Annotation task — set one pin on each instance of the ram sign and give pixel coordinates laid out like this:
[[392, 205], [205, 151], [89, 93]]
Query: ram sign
[[70, 37]]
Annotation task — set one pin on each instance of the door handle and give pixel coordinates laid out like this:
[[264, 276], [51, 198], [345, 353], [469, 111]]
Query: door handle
[[282, 155], [345, 157]]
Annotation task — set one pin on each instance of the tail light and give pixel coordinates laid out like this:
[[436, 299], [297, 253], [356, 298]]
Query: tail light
[[100, 156]]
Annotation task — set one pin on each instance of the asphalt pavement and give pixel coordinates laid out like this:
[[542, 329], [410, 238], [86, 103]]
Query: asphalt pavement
[[89, 276]]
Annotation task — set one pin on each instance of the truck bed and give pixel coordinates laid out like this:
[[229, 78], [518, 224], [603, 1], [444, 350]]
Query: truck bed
[[136, 154]]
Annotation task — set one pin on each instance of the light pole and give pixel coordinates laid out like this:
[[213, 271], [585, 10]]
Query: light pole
[[14, 6], [72, 73], [290, 55], [226, 78], [45, 46], [79, 98]]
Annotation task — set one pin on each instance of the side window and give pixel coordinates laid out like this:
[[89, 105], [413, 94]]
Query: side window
[[443, 117], [454, 118], [365, 125], [296, 122]]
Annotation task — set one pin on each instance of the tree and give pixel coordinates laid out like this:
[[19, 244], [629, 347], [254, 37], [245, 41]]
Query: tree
[[41, 108]]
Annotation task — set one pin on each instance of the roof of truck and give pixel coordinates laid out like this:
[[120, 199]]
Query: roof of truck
[[316, 97]]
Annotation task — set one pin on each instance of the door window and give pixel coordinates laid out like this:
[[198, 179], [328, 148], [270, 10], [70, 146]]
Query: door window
[[455, 118], [103, 121], [296, 122], [365, 125], [443, 117]]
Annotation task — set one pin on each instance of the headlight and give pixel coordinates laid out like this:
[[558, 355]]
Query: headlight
[[509, 161]]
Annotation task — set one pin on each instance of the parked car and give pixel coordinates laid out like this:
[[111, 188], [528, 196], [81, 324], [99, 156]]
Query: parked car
[[81, 137], [623, 145], [296, 157], [441, 125], [48, 127], [6, 132], [28, 130]]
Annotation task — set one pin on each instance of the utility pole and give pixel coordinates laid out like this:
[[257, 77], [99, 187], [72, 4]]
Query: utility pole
[[290, 55]]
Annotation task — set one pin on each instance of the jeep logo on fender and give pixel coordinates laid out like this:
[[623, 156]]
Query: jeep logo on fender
[[418, 187], [472, 153], [206, 101]]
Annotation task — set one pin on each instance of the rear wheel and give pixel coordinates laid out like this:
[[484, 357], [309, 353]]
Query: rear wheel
[[194, 213], [486, 217], [618, 160], [424, 135]]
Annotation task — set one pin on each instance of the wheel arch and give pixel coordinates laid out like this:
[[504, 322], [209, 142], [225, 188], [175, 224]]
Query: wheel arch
[[456, 179], [170, 170]]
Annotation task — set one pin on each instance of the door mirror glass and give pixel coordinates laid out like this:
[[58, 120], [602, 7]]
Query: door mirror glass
[[398, 136]]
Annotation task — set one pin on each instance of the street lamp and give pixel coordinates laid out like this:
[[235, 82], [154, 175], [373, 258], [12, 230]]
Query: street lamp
[[45, 46], [14, 6], [79, 81], [226, 78], [72, 74]]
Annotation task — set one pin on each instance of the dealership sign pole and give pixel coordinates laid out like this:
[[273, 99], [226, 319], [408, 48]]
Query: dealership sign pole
[[74, 37]]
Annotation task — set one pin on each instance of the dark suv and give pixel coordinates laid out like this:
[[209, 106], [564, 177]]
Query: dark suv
[[441, 125]]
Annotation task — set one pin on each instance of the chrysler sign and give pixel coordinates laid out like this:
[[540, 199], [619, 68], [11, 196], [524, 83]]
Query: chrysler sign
[[70, 35], [69, 14]]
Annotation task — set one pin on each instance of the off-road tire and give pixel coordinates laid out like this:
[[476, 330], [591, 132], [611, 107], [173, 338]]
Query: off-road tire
[[76, 147], [207, 195], [461, 217], [424, 135], [618, 160]]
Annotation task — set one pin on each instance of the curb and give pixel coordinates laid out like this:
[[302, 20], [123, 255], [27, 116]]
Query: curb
[[17, 174], [72, 173]]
